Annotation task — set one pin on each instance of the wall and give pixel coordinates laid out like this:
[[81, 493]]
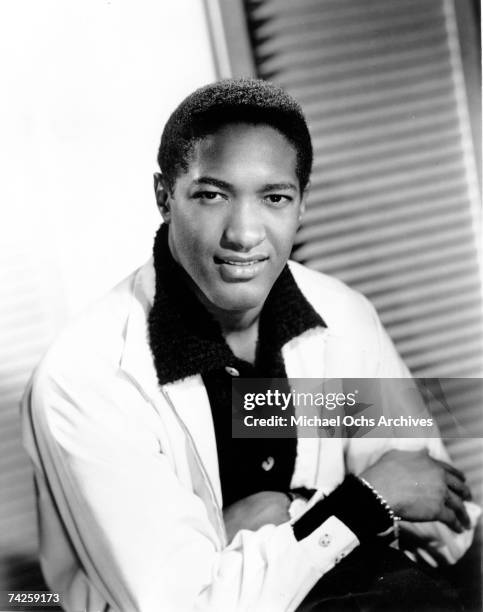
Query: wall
[[87, 87]]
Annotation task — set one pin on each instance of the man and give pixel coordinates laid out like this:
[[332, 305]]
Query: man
[[145, 500]]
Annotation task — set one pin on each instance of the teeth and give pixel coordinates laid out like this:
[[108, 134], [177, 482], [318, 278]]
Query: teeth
[[241, 263]]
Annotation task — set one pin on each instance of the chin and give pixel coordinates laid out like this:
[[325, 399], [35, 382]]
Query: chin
[[238, 299]]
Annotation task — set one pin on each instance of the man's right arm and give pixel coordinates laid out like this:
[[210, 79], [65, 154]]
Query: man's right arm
[[142, 538]]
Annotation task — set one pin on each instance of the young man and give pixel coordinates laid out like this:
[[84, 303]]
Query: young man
[[146, 501]]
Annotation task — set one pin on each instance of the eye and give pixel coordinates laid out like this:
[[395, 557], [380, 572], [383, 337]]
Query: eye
[[209, 196], [278, 200]]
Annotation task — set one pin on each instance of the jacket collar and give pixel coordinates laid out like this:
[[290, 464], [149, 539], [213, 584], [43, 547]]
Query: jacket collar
[[185, 340], [136, 358]]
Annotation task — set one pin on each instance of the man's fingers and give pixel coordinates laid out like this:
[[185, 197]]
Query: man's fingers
[[448, 516], [451, 470], [453, 502], [456, 485]]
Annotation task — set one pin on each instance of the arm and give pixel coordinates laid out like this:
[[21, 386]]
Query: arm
[[351, 502], [435, 539], [142, 538]]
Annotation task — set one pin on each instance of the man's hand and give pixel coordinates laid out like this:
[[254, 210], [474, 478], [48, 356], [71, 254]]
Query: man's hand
[[420, 488], [256, 510]]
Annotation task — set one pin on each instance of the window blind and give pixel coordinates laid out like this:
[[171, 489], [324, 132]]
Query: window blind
[[394, 205], [25, 330]]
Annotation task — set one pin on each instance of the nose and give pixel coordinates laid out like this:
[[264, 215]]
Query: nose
[[244, 229]]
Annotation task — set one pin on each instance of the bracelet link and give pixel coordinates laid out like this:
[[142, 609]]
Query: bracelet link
[[392, 515]]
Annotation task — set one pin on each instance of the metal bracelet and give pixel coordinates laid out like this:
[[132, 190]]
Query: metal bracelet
[[392, 515]]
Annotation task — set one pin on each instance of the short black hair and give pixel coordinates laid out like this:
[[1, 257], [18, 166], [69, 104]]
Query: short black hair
[[211, 107]]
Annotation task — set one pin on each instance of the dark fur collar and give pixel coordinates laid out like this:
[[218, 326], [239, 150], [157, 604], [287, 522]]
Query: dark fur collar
[[186, 340]]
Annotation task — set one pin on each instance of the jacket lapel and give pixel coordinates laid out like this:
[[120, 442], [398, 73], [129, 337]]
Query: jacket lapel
[[187, 397], [192, 406], [318, 460], [304, 356], [136, 358]]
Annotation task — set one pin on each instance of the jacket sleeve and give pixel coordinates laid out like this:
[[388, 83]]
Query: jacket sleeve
[[137, 537], [433, 542]]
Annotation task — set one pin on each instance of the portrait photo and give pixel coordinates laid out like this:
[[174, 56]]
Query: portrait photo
[[241, 311]]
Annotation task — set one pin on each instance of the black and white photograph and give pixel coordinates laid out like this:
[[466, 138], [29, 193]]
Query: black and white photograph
[[241, 324]]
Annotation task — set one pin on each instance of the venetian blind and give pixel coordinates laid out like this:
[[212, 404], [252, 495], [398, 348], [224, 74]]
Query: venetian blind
[[25, 330], [394, 202]]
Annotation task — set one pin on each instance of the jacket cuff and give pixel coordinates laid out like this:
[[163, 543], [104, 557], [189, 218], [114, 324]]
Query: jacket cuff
[[353, 504], [327, 545]]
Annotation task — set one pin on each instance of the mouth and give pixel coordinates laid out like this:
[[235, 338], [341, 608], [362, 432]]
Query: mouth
[[234, 268], [240, 261]]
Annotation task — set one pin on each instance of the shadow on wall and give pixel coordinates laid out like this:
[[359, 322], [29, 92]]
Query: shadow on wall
[[23, 573]]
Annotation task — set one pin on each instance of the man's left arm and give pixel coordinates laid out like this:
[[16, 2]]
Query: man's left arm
[[433, 541]]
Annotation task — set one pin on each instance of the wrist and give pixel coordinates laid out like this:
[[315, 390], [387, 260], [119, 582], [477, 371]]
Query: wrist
[[379, 482], [355, 505], [297, 507], [392, 512]]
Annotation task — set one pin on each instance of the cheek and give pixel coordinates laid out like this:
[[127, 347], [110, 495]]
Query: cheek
[[192, 221], [185, 230], [194, 241], [282, 235]]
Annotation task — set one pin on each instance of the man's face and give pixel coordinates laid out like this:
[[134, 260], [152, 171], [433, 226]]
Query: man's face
[[233, 215]]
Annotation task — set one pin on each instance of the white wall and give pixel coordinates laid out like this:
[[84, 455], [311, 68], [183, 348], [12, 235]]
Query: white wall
[[87, 87]]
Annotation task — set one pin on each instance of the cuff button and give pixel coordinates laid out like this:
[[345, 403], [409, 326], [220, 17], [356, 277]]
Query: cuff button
[[325, 540], [268, 464]]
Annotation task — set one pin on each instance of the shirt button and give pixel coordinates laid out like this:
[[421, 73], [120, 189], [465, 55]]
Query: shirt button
[[268, 464], [325, 540], [232, 371]]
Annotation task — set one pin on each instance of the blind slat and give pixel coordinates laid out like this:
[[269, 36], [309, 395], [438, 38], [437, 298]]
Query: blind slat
[[390, 204]]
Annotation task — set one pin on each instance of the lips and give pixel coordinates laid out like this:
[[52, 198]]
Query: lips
[[235, 268], [236, 260]]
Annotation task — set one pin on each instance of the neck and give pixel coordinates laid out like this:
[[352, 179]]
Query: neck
[[239, 328], [236, 322], [243, 340]]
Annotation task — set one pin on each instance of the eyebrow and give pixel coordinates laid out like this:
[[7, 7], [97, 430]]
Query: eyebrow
[[279, 187], [209, 180]]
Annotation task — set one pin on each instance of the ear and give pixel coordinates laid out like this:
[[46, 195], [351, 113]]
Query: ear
[[303, 201], [162, 196]]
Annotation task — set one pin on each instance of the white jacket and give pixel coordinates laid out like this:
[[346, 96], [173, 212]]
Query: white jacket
[[127, 477]]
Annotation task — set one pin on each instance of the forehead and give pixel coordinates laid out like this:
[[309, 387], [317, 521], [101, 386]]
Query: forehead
[[241, 148]]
